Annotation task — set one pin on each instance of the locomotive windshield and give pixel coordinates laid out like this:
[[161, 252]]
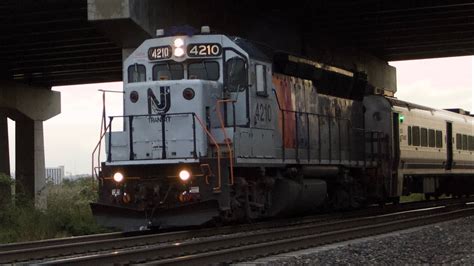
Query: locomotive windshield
[[170, 70], [208, 70]]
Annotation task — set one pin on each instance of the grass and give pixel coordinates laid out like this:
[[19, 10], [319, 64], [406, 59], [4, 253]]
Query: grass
[[419, 197], [67, 214], [412, 197]]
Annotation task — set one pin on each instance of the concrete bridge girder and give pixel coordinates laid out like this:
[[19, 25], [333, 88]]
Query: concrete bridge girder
[[129, 22], [28, 107]]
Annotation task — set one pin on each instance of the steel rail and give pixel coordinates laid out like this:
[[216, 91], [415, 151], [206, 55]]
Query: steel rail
[[205, 250], [38, 250], [57, 242], [240, 253], [80, 245]]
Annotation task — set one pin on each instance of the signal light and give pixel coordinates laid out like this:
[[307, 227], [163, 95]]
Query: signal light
[[401, 118]]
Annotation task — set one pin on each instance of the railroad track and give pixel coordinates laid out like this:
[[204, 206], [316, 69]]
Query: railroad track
[[215, 244]]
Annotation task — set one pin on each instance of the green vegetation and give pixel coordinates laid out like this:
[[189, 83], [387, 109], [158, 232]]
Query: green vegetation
[[5, 190], [412, 197], [420, 197], [67, 213], [5, 180]]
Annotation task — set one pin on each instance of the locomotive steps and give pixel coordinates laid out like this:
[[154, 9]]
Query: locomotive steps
[[226, 244]]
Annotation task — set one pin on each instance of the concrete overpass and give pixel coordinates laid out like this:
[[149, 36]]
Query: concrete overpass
[[45, 43]]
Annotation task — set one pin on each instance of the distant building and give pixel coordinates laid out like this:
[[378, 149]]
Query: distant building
[[55, 175]]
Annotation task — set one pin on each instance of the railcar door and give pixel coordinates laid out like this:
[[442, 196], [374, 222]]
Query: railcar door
[[449, 145], [396, 141]]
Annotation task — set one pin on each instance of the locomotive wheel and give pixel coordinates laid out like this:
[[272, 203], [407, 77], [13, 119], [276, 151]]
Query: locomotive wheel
[[427, 196], [340, 200], [396, 200]]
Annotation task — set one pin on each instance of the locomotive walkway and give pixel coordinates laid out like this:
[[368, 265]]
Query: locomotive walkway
[[233, 243]]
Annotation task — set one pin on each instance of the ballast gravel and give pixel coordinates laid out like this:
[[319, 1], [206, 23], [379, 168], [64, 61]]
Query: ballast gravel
[[449, 243]]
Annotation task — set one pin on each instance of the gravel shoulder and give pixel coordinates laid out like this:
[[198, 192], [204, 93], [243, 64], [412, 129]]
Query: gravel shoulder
[[449, 242]]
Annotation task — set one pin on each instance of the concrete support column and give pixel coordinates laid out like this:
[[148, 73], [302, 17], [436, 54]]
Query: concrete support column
[[4, 149], [29, 107], [30, 168]]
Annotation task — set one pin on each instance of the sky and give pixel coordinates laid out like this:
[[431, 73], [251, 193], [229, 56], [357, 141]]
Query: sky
[[70, 137]]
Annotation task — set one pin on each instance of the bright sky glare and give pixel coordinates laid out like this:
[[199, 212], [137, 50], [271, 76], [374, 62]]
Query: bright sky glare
[[71, 136]]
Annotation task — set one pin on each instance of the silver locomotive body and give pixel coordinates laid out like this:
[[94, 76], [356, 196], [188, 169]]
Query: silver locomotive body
[[216, 128]]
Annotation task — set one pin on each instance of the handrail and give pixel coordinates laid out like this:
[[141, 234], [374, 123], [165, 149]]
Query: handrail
[[203, 126], [226, 139], [97, 147], [147, 115], [219, 181], [379, 134], [103, 131]]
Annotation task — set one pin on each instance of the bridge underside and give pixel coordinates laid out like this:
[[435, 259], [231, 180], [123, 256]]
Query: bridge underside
[[52, 42]]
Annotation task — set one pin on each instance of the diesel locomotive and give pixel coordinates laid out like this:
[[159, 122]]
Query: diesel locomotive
[[217, 128]]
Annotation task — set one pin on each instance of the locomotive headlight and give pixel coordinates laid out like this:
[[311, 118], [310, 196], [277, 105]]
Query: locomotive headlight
[[184, 175], [178, 52], [178, 42], [118, 177]]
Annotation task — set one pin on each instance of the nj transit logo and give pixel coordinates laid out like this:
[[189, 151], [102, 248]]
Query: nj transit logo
[[161, 106]]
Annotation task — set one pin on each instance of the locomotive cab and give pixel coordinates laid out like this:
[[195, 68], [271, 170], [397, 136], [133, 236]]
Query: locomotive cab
[[181, 88]]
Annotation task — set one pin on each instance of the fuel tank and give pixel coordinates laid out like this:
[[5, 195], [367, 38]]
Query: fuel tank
[[293, 198]]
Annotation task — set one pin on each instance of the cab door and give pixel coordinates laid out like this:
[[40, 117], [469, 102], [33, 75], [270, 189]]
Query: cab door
[[236, 83]]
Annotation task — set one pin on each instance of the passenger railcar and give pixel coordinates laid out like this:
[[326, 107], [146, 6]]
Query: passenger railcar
[[217, 128]]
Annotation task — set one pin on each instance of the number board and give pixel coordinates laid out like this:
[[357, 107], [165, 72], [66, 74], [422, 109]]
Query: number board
[[160, 52], [204, 49]]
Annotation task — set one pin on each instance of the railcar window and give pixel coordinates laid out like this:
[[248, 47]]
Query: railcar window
[[458, 141], [168, 71], [208, 70], [439, 139], [409, 135], [471, 143], [416, 136], [431, 139], [136, 73], [464, 142], [424, 137]]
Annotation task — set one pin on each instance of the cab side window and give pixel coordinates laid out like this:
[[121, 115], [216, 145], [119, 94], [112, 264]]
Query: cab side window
[[261, 80], [136, 73], [236, 74]]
